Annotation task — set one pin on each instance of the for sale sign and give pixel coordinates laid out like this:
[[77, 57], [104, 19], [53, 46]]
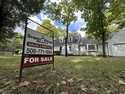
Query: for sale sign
[[38, 49]]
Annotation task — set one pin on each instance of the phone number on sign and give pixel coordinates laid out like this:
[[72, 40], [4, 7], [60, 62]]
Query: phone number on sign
[[38, 51]]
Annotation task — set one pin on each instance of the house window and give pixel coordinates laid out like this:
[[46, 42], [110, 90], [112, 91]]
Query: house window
[[91, 47], [70, 49], [60, 48], [61, 40], [70, 39]]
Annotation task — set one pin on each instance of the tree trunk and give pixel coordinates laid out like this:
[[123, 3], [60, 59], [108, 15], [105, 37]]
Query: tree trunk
[[3, 15], [103, 35], [66, 40], [1, 18], [103, 44]]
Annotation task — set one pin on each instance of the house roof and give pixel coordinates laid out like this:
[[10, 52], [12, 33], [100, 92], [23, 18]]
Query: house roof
[[118, 37], [75, 38], [86, 40]]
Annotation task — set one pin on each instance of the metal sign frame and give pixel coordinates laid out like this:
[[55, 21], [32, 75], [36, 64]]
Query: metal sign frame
[[23, 55]]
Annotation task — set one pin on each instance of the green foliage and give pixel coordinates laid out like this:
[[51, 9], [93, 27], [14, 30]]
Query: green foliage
[[52, 29], [117, 13], [13, 12], [63, 11], [12, 44], [94, 15], [102, 17], [113, 13], [46, 23], [17, 41]]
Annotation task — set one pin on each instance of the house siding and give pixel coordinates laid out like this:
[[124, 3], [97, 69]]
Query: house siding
[[117, 44]]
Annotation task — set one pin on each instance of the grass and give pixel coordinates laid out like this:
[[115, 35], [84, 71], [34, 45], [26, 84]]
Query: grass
[[72, 75]]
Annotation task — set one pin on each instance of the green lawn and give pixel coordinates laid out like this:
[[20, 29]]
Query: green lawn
[[72, 75]]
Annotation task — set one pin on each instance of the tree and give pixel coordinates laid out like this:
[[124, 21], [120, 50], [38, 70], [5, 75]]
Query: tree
[[94, 15], [117, 13], [64, 12], [13, 44], [13, 12], [17, 41], [52, 29]]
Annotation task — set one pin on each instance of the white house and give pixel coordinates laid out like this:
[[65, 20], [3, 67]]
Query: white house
[[116, 45], [77, 45]]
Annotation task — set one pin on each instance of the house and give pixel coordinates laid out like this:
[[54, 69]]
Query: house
[[77, 45], [116, 45]]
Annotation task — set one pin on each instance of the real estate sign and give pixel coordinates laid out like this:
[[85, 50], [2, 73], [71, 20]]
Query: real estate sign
[[38, 49]]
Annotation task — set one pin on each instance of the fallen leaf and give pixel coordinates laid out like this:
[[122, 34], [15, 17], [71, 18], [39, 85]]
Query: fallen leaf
[[64, 92], [121, 82], [83, 88], [70, 80], [63, 82], [25, 83]]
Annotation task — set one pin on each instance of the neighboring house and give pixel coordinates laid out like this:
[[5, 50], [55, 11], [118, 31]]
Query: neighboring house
[[77, 45], [116, 45]]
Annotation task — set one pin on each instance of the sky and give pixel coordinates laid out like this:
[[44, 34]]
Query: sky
[[74, 26]]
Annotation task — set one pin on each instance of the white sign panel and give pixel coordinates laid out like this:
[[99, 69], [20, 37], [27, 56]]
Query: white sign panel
[[38, 49], [37, 43]]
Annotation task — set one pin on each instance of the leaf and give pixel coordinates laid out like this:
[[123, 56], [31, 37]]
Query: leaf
[[23, 84], [121, 82]]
